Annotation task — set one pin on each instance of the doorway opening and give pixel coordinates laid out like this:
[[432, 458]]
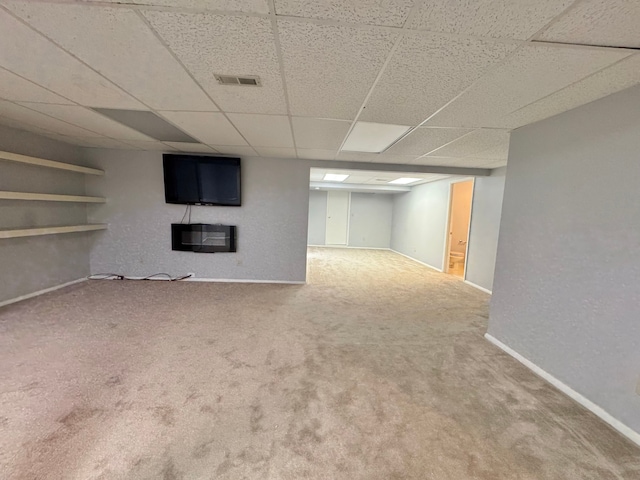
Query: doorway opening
[[457, 245]]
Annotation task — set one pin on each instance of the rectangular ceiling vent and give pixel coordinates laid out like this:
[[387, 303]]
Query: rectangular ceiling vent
[[248, 81]]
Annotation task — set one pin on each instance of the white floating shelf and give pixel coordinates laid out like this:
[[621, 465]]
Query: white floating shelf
[[15, 157], [49, 197], [35, 232]]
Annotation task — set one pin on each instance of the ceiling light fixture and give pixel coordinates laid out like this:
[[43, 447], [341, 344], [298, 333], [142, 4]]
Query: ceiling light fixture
[[335, 177], [404, 181], [373, 137]]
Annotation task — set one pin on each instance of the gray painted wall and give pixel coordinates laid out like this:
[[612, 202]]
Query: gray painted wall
[[566, 292], [317, 217], [420, 222], [272, 222], [485, 226], [370, 219], [420, 225], [36, 263]]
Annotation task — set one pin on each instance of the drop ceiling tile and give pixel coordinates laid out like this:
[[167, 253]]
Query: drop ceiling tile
[[211, 128], [426, 72], [30, 55], [423, 140], [276, 152], [88, 119], [264, 130], [598, 22], [210, 44], [498, 152], [391, 13], [316, 153], [118, 44], [375, 157], [473, 143], [488, 18], [37, 119], [329, 68], [235, 150], [319, 133], [18, 89], [151, 146], [532, 73], [245, 6], [191, 147], [97, 142], [624, 74]]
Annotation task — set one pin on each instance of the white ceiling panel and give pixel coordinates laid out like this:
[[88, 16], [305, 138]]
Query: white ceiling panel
[[32, 56], [210, 44], [329, 69], [118, 44], [474, 143], [246, 6], [153, 145], [18, 89], [531, 74], [13, 123], [375, 157], [319, 133], [211, 128], [316, 153], [423, 140], [613, 79], [191, 147], [264, 130], [498, 152], [598, 22], [518, 19], [90, 142], [426, 72], [236, 150], [88, 119], [276, 152], [40, 120], [391, 13]]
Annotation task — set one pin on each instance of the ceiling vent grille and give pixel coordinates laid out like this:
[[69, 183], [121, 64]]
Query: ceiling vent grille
[[247, 81]]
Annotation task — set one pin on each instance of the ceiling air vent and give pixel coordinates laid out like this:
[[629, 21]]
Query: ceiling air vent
[[250, 80]]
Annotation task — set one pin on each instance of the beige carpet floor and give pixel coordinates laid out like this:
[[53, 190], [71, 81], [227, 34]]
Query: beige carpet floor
[[377, 369]]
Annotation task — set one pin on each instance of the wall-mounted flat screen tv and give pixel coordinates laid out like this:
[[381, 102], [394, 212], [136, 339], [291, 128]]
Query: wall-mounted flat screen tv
[[201, 180]]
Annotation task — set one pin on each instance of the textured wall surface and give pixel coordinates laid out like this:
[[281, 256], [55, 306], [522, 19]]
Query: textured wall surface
[[272, 222], [317, 217], [566, 290], [370, 220], [36, 263], [485, 226], [420, 222], [420, 225]]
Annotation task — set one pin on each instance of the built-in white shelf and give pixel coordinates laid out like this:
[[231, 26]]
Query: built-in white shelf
[[35, 232], [15, 157], [50, 197]]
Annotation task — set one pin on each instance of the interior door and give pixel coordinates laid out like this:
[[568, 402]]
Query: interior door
[[337, 229]]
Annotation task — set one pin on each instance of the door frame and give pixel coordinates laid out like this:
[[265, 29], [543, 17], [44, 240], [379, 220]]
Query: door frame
[[447, 230]]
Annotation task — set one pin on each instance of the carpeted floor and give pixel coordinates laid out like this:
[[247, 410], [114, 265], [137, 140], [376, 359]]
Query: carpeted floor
[[377, 369]]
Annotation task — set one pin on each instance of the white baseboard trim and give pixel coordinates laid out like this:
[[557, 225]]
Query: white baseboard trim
[[485, 290], [570, 392], [40, 292], [349, 246], [232, 280], [417, 261], [210, 280]]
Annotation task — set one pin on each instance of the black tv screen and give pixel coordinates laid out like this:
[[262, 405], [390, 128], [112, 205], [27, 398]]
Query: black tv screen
[[200, 180]]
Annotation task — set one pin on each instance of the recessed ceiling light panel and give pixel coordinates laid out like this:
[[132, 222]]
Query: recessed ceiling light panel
[[373, 137], [335, 177], [404, 181], [148, 123]]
